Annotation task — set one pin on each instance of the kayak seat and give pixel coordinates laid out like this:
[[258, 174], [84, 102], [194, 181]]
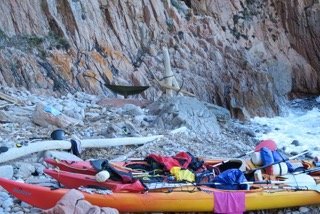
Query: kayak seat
[[99, 164], [115, 174], [232, 164]]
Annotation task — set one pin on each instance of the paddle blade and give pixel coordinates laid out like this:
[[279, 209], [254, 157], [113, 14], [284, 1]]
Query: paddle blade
[[270, 144], [300, 180]]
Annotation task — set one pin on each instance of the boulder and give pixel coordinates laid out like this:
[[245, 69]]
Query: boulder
[[6, 171], [46, 116], [176, 112], [60, 155]]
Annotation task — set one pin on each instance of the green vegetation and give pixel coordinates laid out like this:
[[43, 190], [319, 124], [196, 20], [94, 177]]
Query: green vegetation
[[3, 38], [22, 42], [237, 34], [57, 41], [177, 4], [250, 2], [83, 12], [2, 35], [182, 8], [236, 19], [33, 41], [250, 9], [170, 25], [44, 5], [34, 44]]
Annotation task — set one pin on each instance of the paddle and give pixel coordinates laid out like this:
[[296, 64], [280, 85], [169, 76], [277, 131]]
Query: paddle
[[160, 185], [219, 164], [307, 171], [247, 182], [270, 144], [299, 181], [277, 162]]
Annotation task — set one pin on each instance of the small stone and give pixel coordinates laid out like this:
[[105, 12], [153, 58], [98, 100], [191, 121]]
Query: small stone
[[59, 107], [304, 210], [4, 196], [25, 170], [131, 109], [8, 203], [26, 210], [293, 153], [16, 209], [38, 180], [295, 142], [35, 210], [6, 171], [25, 205], [7, 210], [310, 155], [250, 133], [317, 148], [61, 155]]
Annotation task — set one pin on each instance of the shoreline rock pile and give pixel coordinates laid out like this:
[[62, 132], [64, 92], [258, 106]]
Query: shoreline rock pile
[[179, 120]]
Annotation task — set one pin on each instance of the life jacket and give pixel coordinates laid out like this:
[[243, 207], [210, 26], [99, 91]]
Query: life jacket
[[182, 159], [195, 162]]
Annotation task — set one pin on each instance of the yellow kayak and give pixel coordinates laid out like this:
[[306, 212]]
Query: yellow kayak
[[184, 199]]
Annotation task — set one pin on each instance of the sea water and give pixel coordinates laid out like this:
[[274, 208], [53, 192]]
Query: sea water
[[297, 131]]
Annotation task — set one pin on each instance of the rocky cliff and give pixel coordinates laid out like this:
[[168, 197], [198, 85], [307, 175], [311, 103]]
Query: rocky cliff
[[246, 55]]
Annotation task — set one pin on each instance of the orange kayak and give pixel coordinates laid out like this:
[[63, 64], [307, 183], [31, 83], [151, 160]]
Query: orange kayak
[[188, 199]]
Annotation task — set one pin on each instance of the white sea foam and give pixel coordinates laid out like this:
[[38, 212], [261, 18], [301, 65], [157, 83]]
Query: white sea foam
[[303, 126]]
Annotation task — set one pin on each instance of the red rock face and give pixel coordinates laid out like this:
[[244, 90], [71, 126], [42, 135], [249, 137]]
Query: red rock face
[[247, 56], [301, 19]]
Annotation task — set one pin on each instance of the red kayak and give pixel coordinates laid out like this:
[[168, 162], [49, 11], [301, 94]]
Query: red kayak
[[75, 180], [82, 167], [85, 167]]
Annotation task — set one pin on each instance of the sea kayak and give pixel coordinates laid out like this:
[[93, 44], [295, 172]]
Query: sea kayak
[[177, 200], [76, 180], [85, 167]]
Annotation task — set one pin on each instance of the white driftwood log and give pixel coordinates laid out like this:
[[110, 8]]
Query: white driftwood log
[[170, 82], [127, 156], [10, 99], [163, 85], [40, 146], [168, 71]]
